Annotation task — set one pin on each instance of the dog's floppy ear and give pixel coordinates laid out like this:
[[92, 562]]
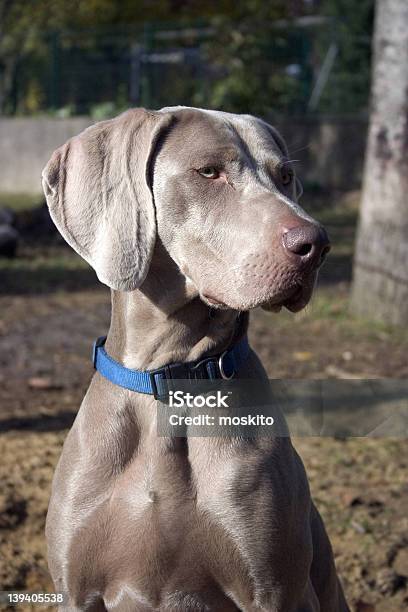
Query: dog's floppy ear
[[99, 194]]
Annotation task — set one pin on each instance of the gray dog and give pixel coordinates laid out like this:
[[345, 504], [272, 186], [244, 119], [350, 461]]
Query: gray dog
[[190, 216]]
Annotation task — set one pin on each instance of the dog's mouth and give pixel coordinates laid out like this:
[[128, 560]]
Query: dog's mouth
[[212, 301], [298, 297], [294, 295], [293, 299]]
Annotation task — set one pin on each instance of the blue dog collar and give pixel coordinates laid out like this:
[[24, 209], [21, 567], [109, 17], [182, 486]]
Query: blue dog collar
[[159, 382]]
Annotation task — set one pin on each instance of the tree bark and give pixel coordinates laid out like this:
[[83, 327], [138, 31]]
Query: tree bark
[[380, 286]]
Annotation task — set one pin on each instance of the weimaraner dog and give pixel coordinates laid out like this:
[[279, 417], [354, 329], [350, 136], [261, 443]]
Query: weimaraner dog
[[190, 217]]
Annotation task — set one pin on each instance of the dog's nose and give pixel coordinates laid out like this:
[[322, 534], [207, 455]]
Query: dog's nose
[[308, 243]]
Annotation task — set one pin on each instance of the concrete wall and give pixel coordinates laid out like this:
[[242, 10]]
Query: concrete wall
[[331, 152], [25, 147]]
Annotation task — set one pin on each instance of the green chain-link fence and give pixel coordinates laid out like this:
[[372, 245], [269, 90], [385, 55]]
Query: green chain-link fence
[[289, 68]]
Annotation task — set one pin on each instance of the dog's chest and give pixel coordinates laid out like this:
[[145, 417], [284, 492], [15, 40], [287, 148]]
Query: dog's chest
[[197, 522]]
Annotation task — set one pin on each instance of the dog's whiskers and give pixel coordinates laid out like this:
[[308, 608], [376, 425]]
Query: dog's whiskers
[[301, 149]]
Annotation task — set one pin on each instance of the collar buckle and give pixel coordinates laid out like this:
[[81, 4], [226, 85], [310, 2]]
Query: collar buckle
[[162, 379], [158, 394]]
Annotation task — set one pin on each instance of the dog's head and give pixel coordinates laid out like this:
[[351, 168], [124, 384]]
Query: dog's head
[[217, 189]]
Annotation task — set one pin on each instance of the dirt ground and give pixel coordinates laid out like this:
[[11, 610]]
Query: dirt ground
[[47, 326]]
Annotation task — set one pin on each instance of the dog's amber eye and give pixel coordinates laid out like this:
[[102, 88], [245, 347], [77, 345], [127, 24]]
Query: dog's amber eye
[[209, 172], [286, 176]]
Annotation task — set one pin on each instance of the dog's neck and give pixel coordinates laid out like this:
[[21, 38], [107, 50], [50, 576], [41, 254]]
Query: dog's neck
[[165, 321]]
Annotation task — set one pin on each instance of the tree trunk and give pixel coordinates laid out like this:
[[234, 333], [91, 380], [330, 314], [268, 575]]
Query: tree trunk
[[380, 286]]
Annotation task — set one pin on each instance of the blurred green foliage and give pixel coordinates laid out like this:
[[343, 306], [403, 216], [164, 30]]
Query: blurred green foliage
[[349, 83], [77, 57], [262, 66]]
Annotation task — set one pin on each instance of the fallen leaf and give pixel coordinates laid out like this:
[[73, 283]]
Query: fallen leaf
[[358, 527], [302, 355], [43, 383], [336, 372]]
